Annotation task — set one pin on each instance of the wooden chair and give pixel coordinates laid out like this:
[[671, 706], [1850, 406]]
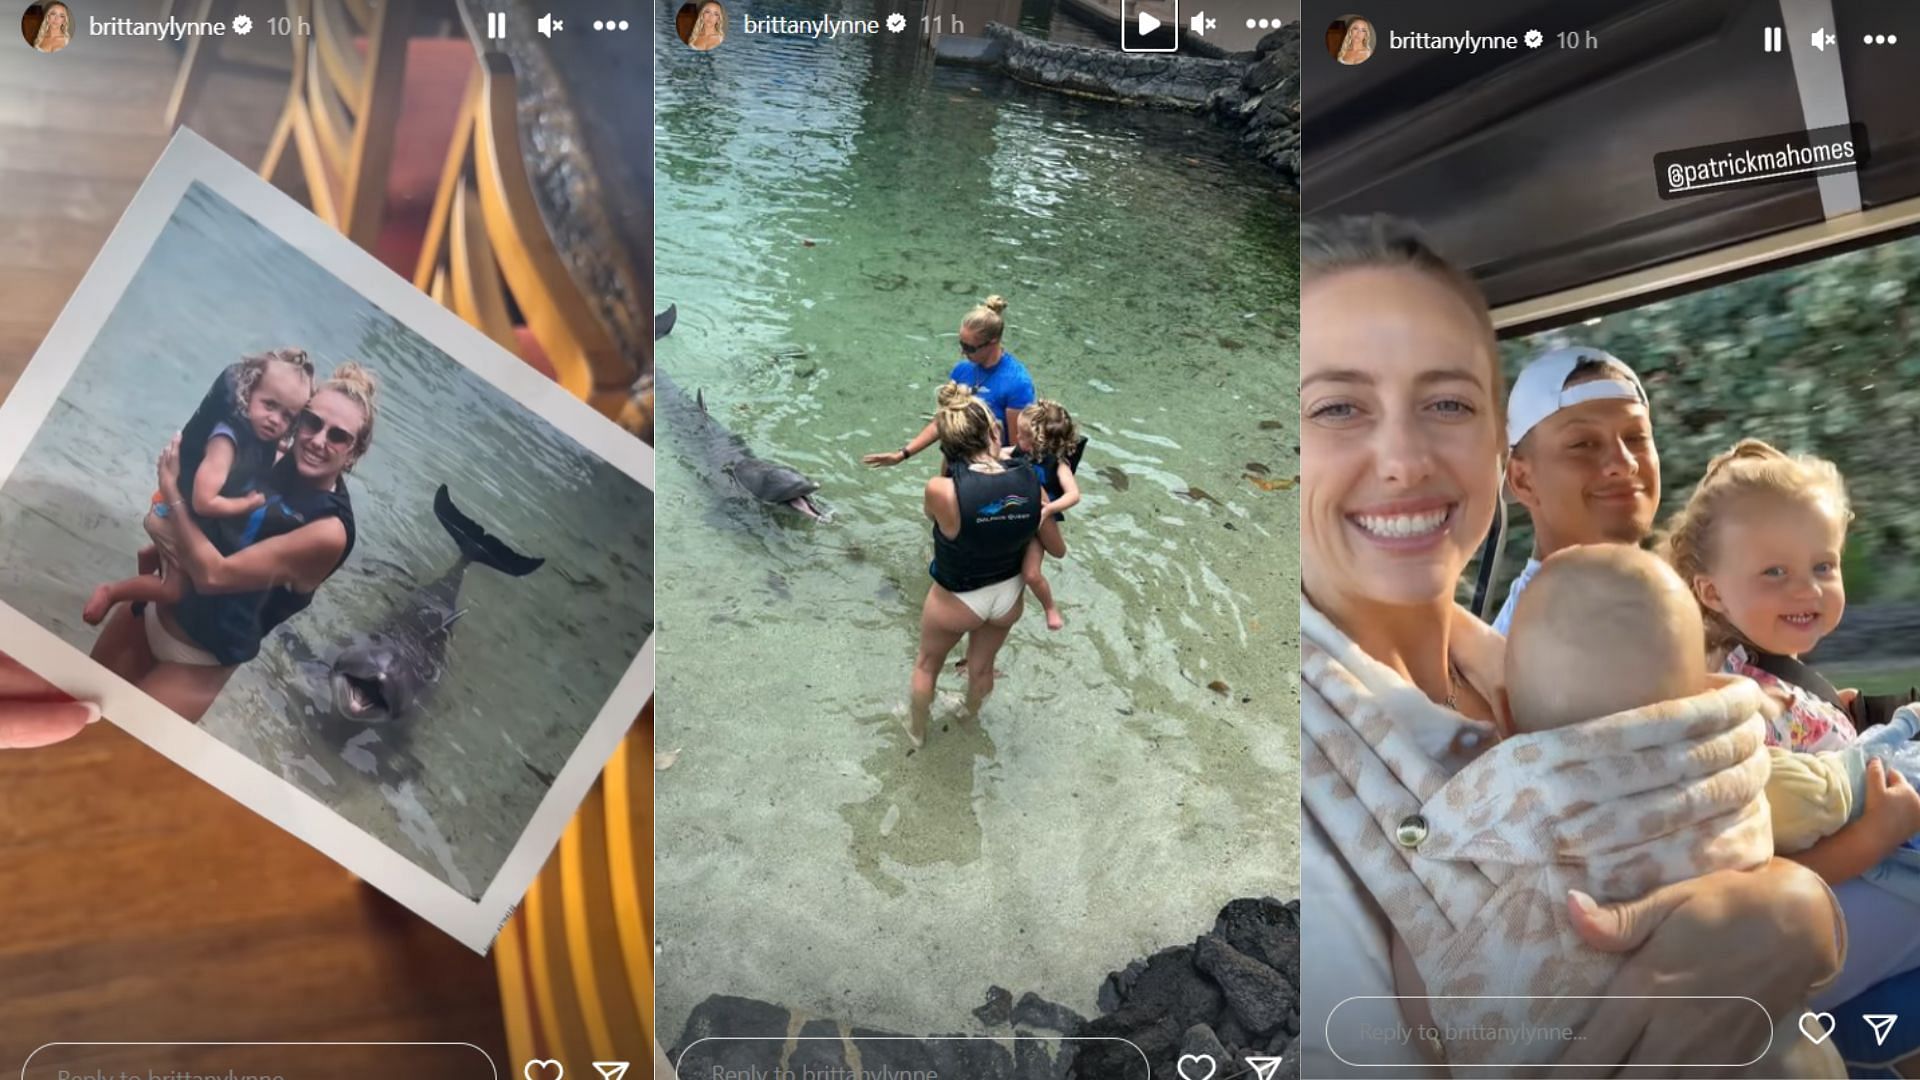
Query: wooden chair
[[335, 140], [487, 253], [576, 961], [368, 117], [202, 56]]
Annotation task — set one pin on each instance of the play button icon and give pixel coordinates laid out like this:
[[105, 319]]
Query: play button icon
[[1150, 26]]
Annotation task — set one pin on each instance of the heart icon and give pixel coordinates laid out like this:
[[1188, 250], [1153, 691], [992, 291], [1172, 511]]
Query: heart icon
[[548, 1070], [1190, 1065], [1812, 1022]]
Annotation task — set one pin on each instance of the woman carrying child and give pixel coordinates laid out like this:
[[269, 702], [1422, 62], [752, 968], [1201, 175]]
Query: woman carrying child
[[1401, 439], [182, 654], [985, 516]]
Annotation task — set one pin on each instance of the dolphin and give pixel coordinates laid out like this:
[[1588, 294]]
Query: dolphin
[[711, 443], [388, 676]]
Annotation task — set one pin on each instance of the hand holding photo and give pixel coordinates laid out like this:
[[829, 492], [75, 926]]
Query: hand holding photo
[[309, 535]]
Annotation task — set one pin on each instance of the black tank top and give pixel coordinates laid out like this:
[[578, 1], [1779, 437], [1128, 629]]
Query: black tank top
[[231, 626], [999, 513]]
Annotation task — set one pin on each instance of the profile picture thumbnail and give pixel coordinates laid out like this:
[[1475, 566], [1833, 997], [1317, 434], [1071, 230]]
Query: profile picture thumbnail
[[701, 25], [47, 25], [1351, 39]]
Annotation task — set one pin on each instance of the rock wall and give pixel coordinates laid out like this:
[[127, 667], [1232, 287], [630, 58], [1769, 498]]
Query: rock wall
[[1257, 93], [1266, 104], [1234, 992], [1168, 80]]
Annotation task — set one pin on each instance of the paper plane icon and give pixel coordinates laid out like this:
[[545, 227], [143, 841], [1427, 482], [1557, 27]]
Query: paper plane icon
[[613, 1070], [1264, 1067], [1881, 1023]]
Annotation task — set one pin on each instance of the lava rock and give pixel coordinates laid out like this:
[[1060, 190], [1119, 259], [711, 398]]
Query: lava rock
[[998, 1010], [1200, 1039], [1233, 1036], [1116, 986], [1036, 1011], [721, 1016], [1265, 930], [1258, 994], [1100, 1058], [1031, 1060]]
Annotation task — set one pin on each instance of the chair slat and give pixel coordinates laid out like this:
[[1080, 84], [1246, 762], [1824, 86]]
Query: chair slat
[[477, 296], [333, 36], [628, 782]]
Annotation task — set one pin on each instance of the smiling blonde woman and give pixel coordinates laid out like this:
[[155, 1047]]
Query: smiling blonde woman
[[56, 28], [710, 27], [1358, 44]]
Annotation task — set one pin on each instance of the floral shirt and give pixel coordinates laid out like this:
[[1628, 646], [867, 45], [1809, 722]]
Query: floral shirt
[[1807, 725]]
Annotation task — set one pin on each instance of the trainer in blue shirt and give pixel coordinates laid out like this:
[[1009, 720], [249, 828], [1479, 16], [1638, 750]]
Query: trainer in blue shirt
[[997, 377]]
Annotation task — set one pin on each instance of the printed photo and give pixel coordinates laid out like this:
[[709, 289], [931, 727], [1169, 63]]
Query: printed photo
[[315, 539]]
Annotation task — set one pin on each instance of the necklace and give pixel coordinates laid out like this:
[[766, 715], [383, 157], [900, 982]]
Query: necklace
[[1453, 676]]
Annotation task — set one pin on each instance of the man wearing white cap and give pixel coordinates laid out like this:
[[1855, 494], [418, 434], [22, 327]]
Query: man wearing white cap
[[1581, 456]]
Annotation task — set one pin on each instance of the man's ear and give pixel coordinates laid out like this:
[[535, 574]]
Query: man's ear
[[1520, 482]]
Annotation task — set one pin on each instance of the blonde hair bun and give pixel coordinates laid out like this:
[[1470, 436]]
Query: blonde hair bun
[[955, 395], [995, 303], [356, 376]]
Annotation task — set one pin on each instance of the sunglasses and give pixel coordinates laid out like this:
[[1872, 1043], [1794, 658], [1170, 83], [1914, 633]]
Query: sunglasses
[[969, 350], [311, 424]]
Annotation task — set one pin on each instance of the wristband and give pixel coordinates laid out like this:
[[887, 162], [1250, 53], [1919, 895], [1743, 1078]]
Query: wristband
[[906, 452]]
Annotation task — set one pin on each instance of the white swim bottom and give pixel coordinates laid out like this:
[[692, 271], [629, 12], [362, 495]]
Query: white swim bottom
[[169, 649], [994, 601]]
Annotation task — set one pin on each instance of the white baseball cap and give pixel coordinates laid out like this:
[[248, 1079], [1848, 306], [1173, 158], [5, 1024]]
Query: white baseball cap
[[1542, 390]]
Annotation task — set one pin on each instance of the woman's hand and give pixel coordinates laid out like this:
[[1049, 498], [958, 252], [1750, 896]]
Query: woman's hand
[[169, 470], [891, 457], [33, 713], [1772, 935]]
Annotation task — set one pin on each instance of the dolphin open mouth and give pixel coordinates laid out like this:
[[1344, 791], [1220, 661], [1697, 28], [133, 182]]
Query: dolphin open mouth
[[807, 506], [360, 699]]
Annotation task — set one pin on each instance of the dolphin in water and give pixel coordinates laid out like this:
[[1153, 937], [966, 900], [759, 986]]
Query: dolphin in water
[[711, 444], [388, 676]]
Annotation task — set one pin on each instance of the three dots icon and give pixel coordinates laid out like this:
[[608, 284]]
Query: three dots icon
[[610, 24]]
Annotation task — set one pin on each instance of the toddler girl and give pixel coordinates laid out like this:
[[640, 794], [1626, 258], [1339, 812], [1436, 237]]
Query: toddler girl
[[1049, 441], [228, 445], [1759, 541]]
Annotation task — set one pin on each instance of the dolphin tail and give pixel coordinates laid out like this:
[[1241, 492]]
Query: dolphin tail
[[474, 542]]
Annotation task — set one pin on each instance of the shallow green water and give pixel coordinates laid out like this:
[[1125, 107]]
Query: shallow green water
[[826, 216]]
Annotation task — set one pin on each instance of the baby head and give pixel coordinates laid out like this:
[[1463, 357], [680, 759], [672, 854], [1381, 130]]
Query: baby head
[[1046, 430], [1759, 542], [1602, 629], [272, 388]]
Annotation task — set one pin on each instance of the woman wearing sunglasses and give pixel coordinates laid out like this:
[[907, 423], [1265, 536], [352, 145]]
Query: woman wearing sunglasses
[[293, 544], [996, 376]]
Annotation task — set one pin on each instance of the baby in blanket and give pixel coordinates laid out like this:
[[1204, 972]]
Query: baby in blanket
[[1604, 681]]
